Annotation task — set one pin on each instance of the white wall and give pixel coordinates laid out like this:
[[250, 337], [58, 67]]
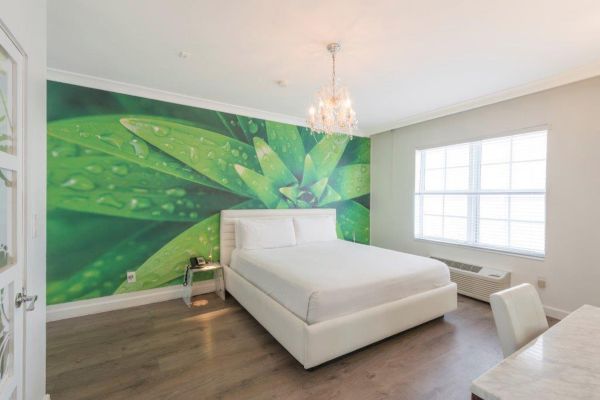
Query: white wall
[[572, 263], [26, 19]]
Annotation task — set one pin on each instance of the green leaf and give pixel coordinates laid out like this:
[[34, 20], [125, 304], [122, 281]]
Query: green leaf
[[291, 192], [310, 172], [249, 205], [262, 187], [351, 181], [282, 205], [251, 127], [107, 135], [229, 128], [104, 184], [169, 262], [330, 196], [167, 265], [272, 166], [318, 187], [209, 153], [353, 221], [326, 154], [104, 275], [358, 151], [285, 140], [76, 239]]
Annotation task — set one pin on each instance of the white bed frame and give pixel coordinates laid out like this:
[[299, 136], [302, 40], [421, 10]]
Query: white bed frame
[[317, 343]]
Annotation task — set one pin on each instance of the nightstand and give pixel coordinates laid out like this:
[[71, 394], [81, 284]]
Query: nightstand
[[188, 280]]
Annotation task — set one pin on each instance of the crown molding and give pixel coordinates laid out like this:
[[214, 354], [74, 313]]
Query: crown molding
[[569, 76], [94, 82]]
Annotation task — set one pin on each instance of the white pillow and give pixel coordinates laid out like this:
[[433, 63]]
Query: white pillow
[[264, 233], [315, 229]]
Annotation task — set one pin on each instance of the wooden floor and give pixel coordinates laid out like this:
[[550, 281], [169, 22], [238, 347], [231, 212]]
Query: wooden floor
[[216, 350]]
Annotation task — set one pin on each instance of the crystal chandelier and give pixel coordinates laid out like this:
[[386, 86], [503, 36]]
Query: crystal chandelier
[[332, 111]]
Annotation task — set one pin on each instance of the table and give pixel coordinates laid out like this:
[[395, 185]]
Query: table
[[562, 363], [188, 280]]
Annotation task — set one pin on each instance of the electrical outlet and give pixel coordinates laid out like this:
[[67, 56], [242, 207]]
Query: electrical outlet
[[541, 282], [130, 276]]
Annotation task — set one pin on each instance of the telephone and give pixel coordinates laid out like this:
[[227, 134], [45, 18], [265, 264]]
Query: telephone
[[197, 262]]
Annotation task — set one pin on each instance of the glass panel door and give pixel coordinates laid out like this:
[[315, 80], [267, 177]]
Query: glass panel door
[[7, 95], [12, 236]]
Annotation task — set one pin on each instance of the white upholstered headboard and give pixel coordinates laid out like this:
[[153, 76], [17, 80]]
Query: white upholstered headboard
[[228, 218]]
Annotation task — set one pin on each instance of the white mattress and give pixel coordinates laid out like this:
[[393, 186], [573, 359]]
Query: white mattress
[[321, 281]]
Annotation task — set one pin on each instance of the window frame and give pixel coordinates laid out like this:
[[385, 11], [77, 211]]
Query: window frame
[[472, 209]]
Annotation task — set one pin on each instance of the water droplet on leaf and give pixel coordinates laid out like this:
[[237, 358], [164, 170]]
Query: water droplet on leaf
[[252, 127], [109, 201], [121, 170], [94, 169], [113, 140], [176, 192], [79, 182], [168, 207], [160, 131], [139, 203], [140, 148]]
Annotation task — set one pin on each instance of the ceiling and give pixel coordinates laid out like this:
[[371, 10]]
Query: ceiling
[[401, 59]]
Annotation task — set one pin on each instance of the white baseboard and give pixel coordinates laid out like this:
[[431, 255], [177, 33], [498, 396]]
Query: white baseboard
[[119, 301], [555, 312]]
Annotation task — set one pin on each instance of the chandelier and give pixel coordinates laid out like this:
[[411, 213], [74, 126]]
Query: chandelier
[[332, 111]]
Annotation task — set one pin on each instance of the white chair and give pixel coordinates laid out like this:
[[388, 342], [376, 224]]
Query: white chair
[[519, 316]]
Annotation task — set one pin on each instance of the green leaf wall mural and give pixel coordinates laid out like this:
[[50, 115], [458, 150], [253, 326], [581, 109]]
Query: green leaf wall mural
[[137, 185]]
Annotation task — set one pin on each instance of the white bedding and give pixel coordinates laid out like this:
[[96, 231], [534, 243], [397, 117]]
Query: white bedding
[[325, 280]]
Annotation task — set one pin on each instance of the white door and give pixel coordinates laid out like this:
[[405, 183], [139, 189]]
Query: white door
[[12, 235]]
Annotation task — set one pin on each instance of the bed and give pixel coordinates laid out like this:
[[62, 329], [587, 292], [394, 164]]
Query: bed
[[325, 299]]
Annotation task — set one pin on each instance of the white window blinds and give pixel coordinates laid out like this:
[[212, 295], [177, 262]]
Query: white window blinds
[[489, 193]]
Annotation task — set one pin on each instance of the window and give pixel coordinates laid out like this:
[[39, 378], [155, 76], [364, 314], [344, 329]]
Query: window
[[490, 193]]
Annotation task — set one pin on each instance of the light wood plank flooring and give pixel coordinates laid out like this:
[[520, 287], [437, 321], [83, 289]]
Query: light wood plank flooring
[[216, 350]]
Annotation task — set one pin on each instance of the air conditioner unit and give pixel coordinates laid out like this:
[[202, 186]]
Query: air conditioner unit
[[475, 281]]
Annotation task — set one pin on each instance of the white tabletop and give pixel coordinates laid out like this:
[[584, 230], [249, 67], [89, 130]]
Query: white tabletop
[[562, 363]]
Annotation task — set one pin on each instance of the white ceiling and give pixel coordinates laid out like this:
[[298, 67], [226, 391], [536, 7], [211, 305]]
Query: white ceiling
[[401, 59]]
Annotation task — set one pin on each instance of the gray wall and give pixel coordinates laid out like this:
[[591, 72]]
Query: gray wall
[[572, 114]]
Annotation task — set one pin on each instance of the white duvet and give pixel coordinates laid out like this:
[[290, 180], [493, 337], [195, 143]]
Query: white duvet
[[325, 280]]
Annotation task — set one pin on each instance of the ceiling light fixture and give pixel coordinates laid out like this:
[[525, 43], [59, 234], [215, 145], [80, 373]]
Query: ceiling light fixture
[[332, 111]]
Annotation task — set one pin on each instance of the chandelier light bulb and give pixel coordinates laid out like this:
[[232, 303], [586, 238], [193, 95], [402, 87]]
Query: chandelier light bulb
[[333, 113]]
